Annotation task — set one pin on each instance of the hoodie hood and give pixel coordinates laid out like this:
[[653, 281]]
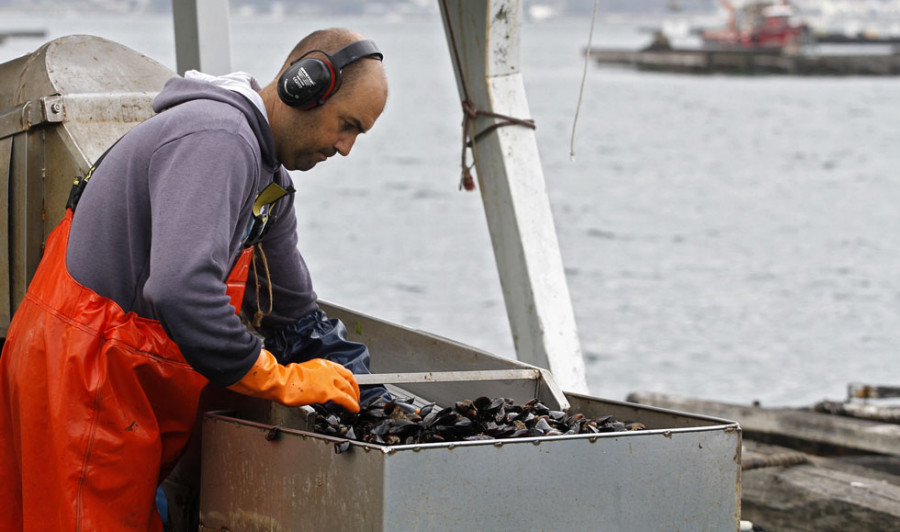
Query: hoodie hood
[[178, 91]]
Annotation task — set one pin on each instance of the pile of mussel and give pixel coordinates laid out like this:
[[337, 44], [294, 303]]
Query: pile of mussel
[[399, 422]]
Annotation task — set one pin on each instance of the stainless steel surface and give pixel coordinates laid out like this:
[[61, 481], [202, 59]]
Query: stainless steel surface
[[265, 472], [398, 349], [448, 376], [259, 473], [685, 478], [60, 108]]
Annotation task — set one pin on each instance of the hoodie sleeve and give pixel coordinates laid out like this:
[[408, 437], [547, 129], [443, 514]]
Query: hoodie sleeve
[[200, 185]]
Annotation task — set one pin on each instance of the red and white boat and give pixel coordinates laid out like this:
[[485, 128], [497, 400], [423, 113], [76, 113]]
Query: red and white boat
[[759, 25]]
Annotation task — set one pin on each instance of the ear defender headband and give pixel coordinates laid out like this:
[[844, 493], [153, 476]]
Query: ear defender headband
[[308, 82]]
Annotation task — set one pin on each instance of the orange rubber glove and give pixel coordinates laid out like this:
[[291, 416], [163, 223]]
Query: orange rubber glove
[[314, 381]]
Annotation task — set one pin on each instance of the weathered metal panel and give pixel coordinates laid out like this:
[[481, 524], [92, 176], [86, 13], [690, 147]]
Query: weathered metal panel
[[660, 479], [681, 473], [60, 108], [398, 349], [5, 300], [294, 482], [651, 416], [25, 205], [16, 119]]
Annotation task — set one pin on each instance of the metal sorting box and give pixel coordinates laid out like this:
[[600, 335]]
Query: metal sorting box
[[682, 473], [60, 108]]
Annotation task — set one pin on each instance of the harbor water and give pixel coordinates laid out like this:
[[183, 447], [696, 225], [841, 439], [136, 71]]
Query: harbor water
[[725, 238]]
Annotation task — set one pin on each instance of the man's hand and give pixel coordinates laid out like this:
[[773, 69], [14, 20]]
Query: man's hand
[[304, 383]]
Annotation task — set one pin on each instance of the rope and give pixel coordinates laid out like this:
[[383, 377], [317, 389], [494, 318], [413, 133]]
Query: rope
[[774, 460], [471, 112], [587, 55], [259, 314]]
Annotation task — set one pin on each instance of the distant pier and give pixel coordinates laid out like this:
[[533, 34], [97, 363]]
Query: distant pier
[[750, 61], [30, 34]]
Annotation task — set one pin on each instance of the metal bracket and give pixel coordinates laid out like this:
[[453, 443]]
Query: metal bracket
[[52, 108], [48, 109]]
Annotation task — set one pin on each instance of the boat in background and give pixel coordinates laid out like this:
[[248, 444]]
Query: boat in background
[[759, 25], [767, 37]]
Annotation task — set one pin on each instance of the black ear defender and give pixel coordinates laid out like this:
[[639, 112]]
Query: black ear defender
[[309, 81]]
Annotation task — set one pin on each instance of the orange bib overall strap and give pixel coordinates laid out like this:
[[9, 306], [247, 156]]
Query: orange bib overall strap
[[95, 405], [236, 284]]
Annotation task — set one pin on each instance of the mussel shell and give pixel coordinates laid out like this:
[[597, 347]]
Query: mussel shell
[[540, 408], [403, 428], [382, 428], [482, 403], [542, 425], [373, 413], [500, 431], [406, 407], [603, 420]]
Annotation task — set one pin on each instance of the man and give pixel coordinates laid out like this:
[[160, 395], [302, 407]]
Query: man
[[132, 311]]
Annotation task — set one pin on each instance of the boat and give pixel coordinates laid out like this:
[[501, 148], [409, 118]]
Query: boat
[[760, 38], [741, 61], [759, 25]]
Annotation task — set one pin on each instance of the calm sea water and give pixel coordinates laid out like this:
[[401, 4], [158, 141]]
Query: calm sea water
[[729, 238]]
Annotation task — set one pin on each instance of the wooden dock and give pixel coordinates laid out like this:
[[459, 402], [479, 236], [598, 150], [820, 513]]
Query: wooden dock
[[806, 470], [758, 61]]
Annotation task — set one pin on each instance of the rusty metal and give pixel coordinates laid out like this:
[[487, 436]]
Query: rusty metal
[[60, 108]]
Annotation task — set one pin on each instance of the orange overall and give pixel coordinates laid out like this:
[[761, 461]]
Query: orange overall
[[96, 405]]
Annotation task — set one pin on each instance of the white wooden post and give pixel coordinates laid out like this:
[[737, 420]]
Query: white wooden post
[[484, 36], [201, 36]]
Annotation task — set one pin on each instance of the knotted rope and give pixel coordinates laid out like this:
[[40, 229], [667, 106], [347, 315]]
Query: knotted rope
[[471, 112]]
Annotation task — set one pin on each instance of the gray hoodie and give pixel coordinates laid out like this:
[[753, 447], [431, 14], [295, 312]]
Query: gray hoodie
[[160, 226]]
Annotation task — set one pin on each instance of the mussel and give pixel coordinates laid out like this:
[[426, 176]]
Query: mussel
[[399, 421]]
